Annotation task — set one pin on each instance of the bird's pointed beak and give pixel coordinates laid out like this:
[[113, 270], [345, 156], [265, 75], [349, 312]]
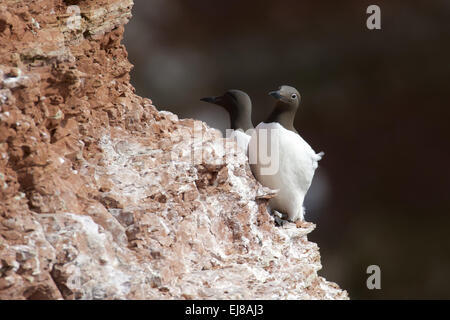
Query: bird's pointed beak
[[210, 99], [215, 100], [275, 94]]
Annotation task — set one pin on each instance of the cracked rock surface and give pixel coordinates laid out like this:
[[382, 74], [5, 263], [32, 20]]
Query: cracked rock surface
[[102, 196]]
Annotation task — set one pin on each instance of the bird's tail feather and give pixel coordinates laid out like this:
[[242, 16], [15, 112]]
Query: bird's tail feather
[[320, 155]]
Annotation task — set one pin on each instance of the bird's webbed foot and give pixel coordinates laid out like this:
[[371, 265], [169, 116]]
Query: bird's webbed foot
[[278, 217]]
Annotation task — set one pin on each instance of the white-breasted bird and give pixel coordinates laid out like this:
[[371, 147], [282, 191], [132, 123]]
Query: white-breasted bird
[[280, 158]]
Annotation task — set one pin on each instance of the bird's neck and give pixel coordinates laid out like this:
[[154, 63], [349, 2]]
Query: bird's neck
[[284, 116], [240, 120]]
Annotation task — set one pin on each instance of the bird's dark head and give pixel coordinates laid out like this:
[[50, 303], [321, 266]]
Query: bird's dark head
[[232, 101], [238, 105], [288, 97]]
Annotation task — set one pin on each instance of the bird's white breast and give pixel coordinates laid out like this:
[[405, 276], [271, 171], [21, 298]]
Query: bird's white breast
[[242, 139], [294, 160]]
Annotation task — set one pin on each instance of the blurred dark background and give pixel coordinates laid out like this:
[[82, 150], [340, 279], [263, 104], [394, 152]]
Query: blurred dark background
[[375, 101]]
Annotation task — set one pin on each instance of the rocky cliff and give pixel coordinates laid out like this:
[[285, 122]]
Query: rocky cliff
[[102, 196]]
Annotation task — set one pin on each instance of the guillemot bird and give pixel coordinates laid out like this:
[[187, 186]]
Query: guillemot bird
[[239, 107], [291, 164]]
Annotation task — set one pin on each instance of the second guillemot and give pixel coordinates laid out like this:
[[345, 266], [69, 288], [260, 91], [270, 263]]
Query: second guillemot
[[239, 106], [280, 158]]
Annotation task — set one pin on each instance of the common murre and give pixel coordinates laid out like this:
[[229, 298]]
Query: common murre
[[292, 161]]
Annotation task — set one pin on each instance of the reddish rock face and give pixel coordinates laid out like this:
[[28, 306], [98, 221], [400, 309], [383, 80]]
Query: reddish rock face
[[104, 197]]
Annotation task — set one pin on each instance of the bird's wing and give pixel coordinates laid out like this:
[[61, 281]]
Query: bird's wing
[[299, 159]]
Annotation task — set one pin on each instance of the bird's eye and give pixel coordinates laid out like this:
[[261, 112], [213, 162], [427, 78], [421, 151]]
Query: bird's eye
[[294, 96]]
